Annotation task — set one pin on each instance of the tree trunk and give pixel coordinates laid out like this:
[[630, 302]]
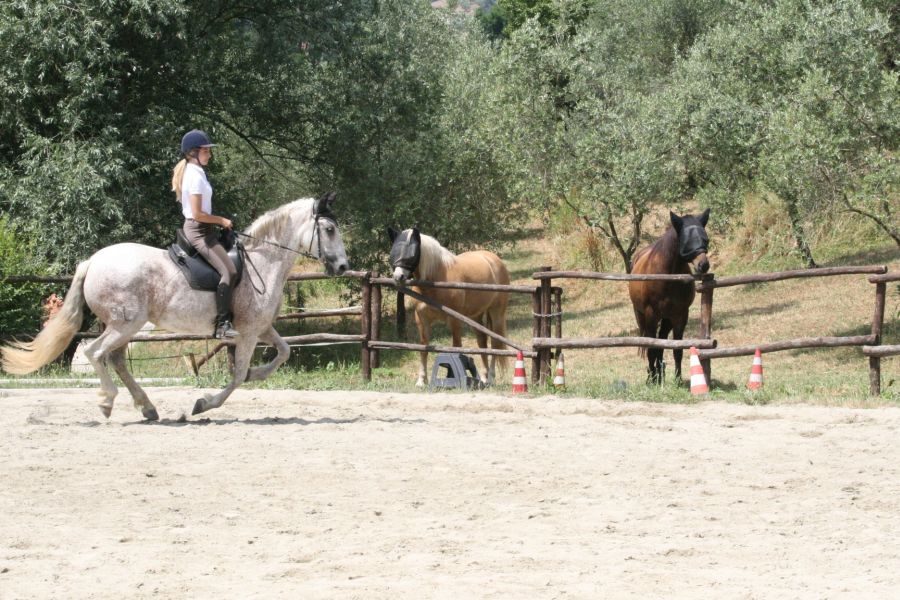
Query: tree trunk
[[799, 233]]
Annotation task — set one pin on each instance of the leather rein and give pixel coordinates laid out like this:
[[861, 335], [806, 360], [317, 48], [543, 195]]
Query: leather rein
[[308, 253]]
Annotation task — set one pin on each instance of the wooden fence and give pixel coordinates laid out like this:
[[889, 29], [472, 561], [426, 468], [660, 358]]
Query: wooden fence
[[547, 311], [707, 346]]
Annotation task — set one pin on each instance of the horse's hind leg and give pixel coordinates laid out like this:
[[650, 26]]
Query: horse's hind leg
[[496, 320], [115, 336], [141, 401]]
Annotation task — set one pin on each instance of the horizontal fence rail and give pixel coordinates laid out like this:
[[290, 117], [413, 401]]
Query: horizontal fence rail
[[546, 309], [783, 275], [621, 342], [612, 276]]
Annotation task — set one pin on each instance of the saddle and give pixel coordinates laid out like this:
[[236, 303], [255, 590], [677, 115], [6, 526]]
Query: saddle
[[200, 274]]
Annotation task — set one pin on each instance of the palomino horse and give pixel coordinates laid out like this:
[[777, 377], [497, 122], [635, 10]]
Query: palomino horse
[[126, 285], [415, 254], [664, 304]]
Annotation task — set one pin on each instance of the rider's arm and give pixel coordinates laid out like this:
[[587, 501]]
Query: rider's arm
[[202, 217]]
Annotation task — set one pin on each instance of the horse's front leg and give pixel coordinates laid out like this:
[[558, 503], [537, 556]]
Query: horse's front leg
[[665, 326], [481, 340], [243, 351], [424, 327], [270, 336], [678, 334]]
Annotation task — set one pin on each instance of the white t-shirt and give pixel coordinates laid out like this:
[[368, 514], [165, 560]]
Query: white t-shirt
[[194, 182]]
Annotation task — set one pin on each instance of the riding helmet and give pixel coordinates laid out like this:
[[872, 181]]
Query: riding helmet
[[195, 139]]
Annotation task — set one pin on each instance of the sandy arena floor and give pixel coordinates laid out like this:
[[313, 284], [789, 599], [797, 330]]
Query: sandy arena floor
[[294, 494]]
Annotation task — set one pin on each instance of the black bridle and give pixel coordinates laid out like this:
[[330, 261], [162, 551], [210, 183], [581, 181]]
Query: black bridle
[[308, 253], [317, 235]]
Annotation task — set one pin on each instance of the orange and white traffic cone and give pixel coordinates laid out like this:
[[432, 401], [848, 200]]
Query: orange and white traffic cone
[[519, 383], [756, 375], [698, 379], [560, 380]]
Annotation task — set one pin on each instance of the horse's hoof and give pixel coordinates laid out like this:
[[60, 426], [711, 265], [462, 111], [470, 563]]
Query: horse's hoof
[[150, 414], [106, 410], [198, 407]]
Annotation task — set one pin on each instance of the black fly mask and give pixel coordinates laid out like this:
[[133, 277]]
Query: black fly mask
[[692, 239], [406, 250]]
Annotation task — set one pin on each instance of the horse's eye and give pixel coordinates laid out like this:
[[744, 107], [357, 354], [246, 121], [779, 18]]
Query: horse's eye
[[330, 230]]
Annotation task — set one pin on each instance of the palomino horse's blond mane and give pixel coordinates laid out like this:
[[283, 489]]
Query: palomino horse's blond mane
[[434, 259]]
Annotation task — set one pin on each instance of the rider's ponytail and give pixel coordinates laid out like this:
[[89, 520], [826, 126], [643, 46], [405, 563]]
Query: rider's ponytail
[[177, 176]]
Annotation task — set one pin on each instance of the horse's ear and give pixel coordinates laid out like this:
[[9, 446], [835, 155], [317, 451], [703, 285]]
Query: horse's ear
[[392, 233], [322, 205], [704, 217], [677, 221], [415, 235]]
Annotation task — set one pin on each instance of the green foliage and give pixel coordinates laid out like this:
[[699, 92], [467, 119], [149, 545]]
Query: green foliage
[[20, 304], [794, 98], [614, 109]]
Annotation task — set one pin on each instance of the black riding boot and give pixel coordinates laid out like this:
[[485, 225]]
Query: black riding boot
[[224, 328]]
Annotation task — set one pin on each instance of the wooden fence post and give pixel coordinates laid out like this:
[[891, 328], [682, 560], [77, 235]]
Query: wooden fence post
[[375, 323], [366, 331], [706, 304], [558, 294], [877, 323], [535, 332], [546, 309]]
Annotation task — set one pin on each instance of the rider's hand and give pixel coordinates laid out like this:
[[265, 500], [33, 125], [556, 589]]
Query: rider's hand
[[226, 223]]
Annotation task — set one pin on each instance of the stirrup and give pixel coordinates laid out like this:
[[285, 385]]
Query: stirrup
[[225, 330]]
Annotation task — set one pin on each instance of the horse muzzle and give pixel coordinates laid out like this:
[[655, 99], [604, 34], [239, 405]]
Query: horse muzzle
[[700, 263], [400, 275], [336, 266]]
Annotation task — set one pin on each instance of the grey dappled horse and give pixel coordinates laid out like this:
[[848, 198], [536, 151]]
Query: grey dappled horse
[[127, 285]]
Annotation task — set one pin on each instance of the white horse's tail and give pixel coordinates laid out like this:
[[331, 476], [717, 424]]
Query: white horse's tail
[[21, 358]]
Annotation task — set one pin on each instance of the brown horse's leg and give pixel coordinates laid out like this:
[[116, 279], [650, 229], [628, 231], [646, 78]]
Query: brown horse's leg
[[481, 340], [665, 326], [424, 327], [678, 334], [497, 317], [647, 327]]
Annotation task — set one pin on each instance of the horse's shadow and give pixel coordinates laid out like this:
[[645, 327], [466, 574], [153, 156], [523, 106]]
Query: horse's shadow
[[183, 422]]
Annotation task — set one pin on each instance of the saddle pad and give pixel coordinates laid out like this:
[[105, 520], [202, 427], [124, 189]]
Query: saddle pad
[[199, 274]]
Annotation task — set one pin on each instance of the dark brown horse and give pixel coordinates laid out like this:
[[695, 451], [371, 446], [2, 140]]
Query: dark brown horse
[[661, 307]]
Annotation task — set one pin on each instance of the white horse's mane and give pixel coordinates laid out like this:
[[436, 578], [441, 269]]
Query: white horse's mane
[[433, 257], [272, 223]]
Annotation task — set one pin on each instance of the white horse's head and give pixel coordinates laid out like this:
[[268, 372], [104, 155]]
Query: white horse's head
[[308, 226], [330, 244]]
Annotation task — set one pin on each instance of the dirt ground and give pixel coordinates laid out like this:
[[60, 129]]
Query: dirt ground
[[295, 494]]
